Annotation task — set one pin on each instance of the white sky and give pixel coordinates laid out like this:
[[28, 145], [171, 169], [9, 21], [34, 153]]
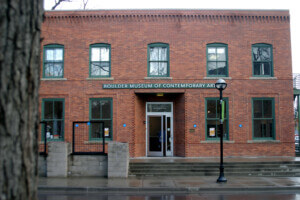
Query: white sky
[[291, 5]]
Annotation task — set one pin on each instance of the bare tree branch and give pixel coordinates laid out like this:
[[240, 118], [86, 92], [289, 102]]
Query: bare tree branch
[[85, 2], [57, 2]]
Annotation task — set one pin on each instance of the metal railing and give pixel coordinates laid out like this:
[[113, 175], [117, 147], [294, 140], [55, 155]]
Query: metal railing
[[88, 138]]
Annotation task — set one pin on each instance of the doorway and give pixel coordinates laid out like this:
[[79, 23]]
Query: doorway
[[159, 128]]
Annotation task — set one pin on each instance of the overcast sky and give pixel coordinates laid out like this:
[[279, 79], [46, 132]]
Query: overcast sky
[[199, 4]]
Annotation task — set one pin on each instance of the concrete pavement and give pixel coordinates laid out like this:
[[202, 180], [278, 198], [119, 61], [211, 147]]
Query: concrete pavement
[[169, 184]]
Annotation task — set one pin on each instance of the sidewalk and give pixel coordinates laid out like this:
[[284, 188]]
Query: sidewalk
[[169, 184]]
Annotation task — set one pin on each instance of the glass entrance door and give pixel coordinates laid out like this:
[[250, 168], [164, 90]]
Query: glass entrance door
[[159, 130]]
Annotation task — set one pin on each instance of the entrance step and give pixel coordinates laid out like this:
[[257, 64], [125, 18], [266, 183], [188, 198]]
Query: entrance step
[[278, 168]]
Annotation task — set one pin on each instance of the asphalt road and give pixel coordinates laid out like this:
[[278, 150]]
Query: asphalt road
[[201, 196]]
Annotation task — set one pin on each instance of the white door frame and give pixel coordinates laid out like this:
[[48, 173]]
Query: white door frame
[[161, 114]]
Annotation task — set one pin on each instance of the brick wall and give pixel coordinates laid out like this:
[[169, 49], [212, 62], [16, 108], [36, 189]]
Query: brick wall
[[187, 33]]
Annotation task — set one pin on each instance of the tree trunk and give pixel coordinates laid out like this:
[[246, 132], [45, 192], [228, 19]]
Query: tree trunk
[[20, 24]]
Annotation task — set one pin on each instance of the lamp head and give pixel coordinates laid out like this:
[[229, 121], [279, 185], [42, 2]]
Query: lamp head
[[221, 84]]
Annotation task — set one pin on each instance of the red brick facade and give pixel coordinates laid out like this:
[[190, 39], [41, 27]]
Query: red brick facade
[[187, 32]]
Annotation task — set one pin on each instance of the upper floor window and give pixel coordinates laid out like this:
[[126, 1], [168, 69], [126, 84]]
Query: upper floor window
[[158, 60], [262, 60], [100, 60], [217, 60], [53, 61]]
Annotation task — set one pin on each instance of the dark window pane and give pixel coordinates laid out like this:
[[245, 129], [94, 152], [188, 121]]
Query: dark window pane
[[263, 128], [57, 129], [257, 108], [49, 130], [267, 105], [48, 110], [96, 109], [211, 109], [269, 128], [96, 130], [257, 67], [106, 109], [58, 110], [258, 128], [266, 69]]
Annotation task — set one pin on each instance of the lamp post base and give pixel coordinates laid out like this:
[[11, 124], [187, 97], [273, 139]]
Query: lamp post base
[[221, 179]]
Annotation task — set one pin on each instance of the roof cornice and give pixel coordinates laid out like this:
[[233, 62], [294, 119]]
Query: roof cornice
[[222, 15]]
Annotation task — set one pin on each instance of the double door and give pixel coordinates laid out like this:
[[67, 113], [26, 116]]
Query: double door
[[160, 134]]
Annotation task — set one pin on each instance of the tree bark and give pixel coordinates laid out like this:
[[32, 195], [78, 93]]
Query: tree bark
[[20, 25]]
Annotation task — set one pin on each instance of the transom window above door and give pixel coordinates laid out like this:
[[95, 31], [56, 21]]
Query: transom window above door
[[158, 60]]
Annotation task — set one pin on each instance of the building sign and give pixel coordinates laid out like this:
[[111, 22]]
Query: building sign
[[159, 86]]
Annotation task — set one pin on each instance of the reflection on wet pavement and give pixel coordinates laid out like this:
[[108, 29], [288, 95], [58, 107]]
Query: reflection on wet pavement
[[234, 196]]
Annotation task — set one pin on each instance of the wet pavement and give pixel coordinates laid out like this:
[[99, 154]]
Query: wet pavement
[[232, 196], [169, 184]]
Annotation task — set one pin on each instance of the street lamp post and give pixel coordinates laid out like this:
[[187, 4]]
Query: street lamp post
[[221, 85]]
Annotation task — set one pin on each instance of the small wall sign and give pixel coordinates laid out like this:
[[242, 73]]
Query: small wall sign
[[192, 130]]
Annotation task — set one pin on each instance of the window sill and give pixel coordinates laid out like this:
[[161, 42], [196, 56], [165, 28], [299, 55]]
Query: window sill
[[54, 79], [263, 141], [158, 78], [217, 141], [263, 78], [217, 77], [97, 141], [100, 79]]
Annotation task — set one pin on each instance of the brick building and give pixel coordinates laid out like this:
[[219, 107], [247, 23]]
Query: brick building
[[149, 76]]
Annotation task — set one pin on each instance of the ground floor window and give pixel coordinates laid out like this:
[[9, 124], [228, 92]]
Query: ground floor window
[[100, 110], [53, 116], [263, 118], [212, 118]]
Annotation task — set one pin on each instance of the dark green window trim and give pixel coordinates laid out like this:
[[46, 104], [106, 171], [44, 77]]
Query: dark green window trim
[[255, 63], [167, 61], [48, 65], [110, 137], [217, 73], [264, 118], [104, 65], [62, 120], [217, 118]]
